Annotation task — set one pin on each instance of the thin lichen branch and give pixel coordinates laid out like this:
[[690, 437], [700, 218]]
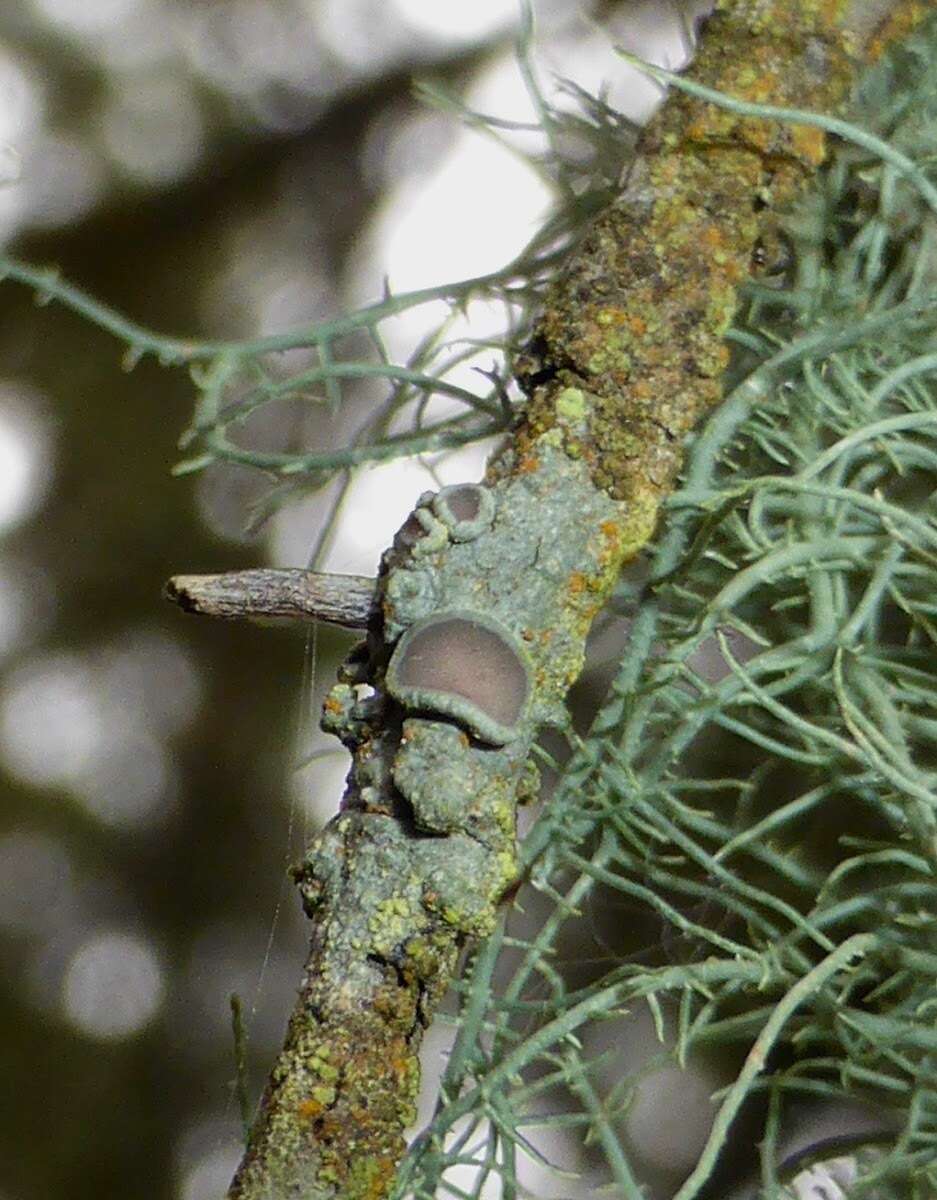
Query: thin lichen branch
[[49, 286], [815, 412]]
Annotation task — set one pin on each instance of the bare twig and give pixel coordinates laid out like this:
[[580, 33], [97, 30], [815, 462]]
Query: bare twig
[[294, 594]]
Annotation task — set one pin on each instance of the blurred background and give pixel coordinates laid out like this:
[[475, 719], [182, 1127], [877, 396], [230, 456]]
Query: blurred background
[[219, 169], [229, 169]]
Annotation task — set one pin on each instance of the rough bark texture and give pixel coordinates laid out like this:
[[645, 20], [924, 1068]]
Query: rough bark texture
[[294, 594], [627, 358]]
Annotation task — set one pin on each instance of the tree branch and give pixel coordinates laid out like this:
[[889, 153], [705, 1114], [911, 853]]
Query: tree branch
[[486, 597]]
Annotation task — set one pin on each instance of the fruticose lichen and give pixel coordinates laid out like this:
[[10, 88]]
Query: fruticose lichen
[[625, 360]]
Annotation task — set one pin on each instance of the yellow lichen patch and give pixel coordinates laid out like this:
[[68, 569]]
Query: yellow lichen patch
[[309, 1109], [777, 17], [902, 19], [390, 923], [758, 90], [369, 1178], [638, 529], [809, 143], [571, 405]]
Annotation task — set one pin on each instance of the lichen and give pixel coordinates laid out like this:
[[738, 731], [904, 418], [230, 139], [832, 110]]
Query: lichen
[[637, 321], [454, 786], [429, 824], [626, 359], [466, 665], [466, 509]]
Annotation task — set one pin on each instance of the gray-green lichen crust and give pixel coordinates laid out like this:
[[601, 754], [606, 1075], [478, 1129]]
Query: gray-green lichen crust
[[424, 849], [533, 552]]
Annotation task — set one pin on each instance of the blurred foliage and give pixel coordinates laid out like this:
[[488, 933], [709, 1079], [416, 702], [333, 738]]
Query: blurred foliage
[[80, 1117]]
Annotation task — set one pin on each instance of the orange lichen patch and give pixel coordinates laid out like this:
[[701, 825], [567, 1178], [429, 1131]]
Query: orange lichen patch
[[403, 1067], [696, 131], [760, 90], [712, 237], [612, 536], [734, 271], [759, 135], [328, 1129], [643, 389], [636, 324], [332, 705], [588, 595]]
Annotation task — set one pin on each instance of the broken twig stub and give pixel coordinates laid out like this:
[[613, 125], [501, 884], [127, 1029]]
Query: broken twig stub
[[291, 594]]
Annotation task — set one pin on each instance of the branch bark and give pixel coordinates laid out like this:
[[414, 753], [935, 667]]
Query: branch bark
[[293, 594], [502, 581]]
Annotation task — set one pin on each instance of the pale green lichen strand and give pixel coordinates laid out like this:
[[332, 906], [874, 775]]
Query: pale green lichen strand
[[627, 358]]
